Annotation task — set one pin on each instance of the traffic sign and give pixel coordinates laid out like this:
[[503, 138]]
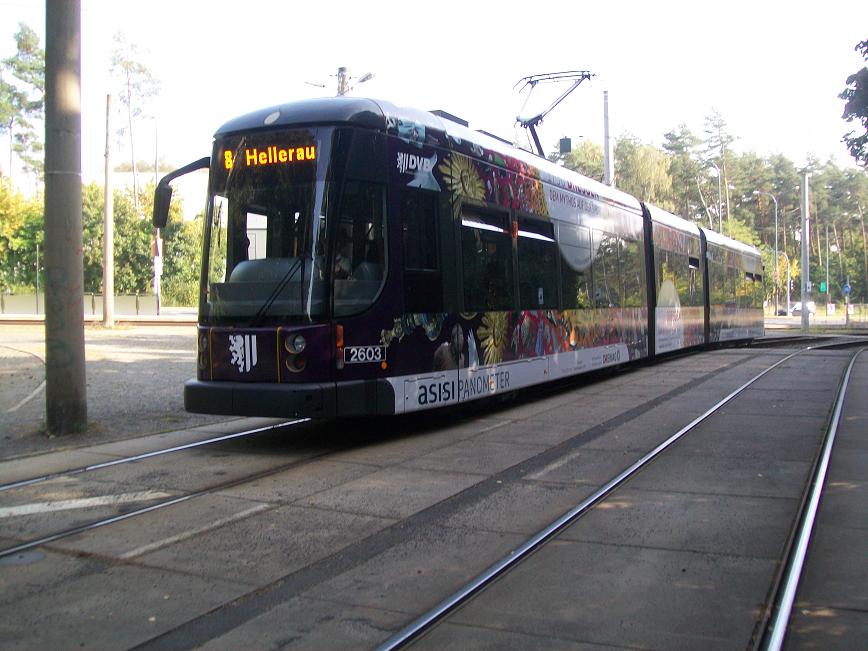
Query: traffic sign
[[822, 286], [846, 289]]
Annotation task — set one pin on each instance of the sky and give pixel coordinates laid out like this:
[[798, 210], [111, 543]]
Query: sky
[[772, 69]]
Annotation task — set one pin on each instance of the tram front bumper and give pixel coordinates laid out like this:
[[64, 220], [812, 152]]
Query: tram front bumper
[[313, 400]]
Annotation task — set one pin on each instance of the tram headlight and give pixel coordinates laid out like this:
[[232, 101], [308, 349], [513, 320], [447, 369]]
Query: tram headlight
[[295, 344], [295, 363]]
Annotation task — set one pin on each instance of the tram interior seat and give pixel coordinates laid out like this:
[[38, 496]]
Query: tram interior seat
[[263, 270], [359, 289]]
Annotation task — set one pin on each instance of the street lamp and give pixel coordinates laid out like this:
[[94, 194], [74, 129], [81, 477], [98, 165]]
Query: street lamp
[[769, 194], [344, 86], [719, 197]]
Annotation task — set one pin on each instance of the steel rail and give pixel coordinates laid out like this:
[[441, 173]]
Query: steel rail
[[146, 455], [178, 499], [424, 622], [786, 594]]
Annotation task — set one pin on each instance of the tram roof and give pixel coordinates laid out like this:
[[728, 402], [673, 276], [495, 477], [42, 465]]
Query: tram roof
[[661, 216], [722, 240], [377, 114]]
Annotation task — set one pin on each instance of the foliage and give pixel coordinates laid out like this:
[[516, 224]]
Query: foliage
[[586, 159], [685, 170], [856, 108], [22, 227], [643, 171], [21, 230], [22, 101]]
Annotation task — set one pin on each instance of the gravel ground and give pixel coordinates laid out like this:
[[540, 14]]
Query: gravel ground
[[135, 377]]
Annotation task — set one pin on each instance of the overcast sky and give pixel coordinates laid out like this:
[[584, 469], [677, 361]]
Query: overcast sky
[[772, 69]]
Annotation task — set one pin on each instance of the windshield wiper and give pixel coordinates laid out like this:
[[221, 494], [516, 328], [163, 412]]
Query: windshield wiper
[[260, 315]]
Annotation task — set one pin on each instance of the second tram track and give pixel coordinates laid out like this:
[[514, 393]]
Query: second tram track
[[443, 609], [146, 455]]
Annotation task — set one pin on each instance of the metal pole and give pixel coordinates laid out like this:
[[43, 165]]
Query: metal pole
[[828, 289], [769, 194], [776, 255], [788, 283], [108, 246], [343, 81], [609, 176], [65, 386], [719, 201], [37, 278], [719, 198], [806, 247]]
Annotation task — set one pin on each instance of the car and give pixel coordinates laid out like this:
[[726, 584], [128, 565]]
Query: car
[[796, 308]]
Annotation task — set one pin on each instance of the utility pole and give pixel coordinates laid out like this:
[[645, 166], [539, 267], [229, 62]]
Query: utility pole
[[828, 288], [108, 245], [608, 174], [806, 248], [65, 387], [343, 81]]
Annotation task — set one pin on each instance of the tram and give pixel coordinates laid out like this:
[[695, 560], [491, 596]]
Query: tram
[[360, 258]]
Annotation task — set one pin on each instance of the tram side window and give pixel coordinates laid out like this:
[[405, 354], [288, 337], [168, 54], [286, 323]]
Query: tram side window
[[360, 247], [537, 265], [574, 243], [607, 281], [632, 273], [423, 287], [486, 261], [672, 281], [734, 286], [758, 291], [694, 290], [717, 273]]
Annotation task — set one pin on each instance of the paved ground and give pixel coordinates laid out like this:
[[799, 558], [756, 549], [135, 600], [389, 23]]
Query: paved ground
[[339, 535], [135, 377]]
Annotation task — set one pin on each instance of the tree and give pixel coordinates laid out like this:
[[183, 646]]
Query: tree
[[643, 171], [856, 108], [137, 88], [685, 169], [24, 101], [586, 159], [21, 230], [717, 150]]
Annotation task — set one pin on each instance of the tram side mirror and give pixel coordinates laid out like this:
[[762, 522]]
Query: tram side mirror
[[162, 201], [163, 193]]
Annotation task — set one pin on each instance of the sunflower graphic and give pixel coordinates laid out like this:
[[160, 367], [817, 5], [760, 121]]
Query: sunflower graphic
[[492, 335], [461, 177]]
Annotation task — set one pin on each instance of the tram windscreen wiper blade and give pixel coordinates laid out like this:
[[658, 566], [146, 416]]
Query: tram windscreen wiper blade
[[275, 293]]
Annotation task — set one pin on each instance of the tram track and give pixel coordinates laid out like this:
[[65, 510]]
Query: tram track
[[71, 472], [777, 613], [349, 561], [330, 566], [773, 625], [158, 505], [155, 505]]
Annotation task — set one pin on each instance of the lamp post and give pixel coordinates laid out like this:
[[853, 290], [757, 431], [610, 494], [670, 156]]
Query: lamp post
[[769, 194], [719, 198], [344, 78], [788, 282]]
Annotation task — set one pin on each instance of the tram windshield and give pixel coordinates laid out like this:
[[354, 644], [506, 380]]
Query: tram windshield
[[266, 239]]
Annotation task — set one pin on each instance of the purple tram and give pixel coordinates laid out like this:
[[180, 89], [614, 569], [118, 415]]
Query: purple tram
[[360, 258]]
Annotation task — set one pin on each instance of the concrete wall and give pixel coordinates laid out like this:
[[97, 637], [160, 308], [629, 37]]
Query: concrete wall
[[141, 304]]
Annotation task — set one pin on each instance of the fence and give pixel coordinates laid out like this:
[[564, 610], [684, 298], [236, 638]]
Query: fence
[[130, 305]]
